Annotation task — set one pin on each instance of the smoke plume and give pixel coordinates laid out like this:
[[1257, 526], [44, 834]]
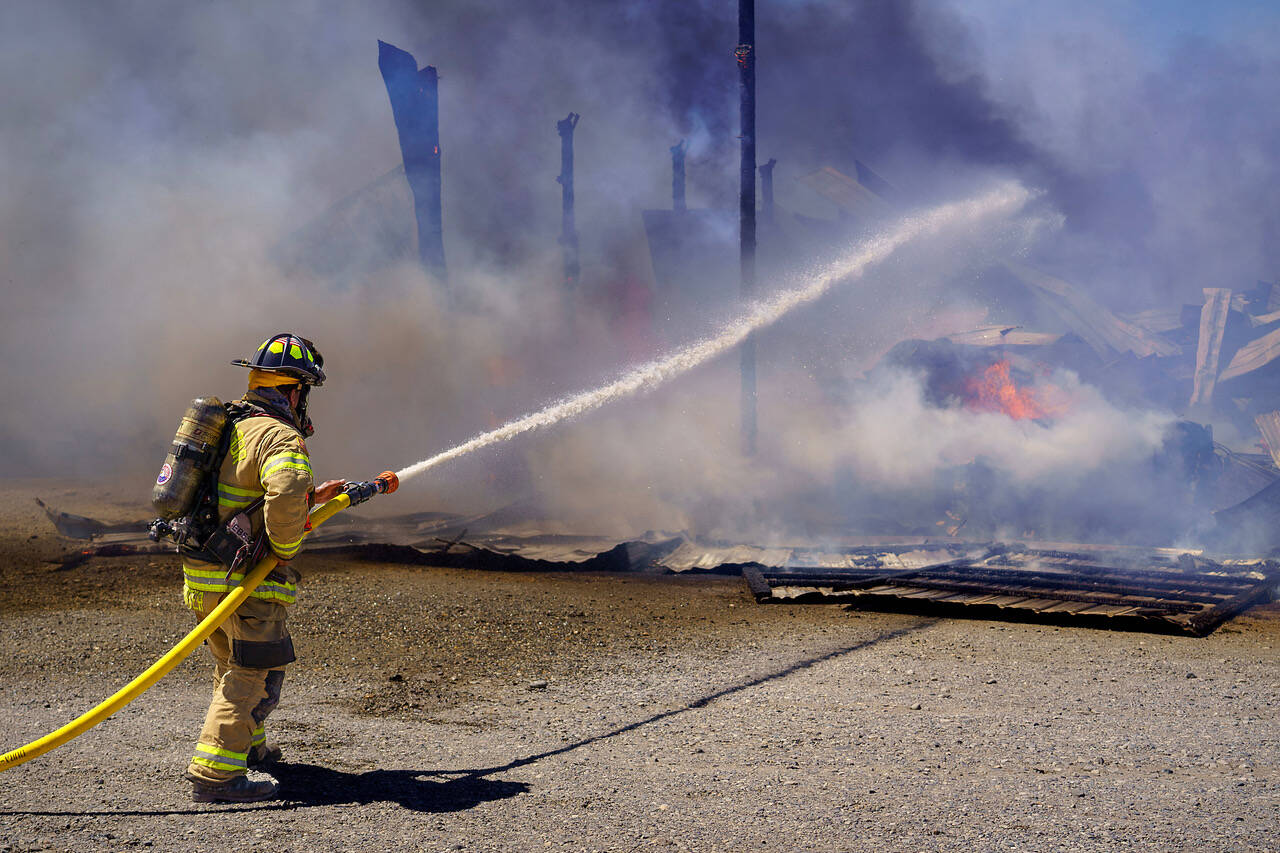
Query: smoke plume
[[169, 182]]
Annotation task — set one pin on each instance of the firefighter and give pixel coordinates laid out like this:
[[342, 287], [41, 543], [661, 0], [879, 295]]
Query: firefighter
[[266, 460]]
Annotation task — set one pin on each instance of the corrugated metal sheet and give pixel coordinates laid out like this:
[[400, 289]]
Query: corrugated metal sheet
[[1002, 336], [1162, 588], [845, 192], [1253, 355], [1102, 329]]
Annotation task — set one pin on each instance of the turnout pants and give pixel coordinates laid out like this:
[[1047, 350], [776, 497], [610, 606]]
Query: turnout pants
[[250, 650]]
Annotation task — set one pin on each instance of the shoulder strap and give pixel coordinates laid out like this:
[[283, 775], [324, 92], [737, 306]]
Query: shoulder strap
[[203, 517], [239, 410]]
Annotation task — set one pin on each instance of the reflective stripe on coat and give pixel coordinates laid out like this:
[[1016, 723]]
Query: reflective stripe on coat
[[265, 457]]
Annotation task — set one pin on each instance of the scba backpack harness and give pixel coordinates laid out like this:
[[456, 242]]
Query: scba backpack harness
[[186, 491]]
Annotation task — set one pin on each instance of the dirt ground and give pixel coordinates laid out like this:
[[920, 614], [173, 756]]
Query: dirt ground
[[437, 709]]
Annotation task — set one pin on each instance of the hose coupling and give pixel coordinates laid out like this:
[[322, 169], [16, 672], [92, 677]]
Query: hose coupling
[[383, 484]]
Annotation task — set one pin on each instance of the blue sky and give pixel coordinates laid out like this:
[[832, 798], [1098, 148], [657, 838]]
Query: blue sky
[[1156, 27]]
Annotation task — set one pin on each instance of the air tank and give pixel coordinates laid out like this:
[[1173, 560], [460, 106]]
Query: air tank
[[192, 456]]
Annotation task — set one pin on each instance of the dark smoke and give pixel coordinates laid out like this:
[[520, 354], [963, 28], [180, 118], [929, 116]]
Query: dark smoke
[[162, 175]]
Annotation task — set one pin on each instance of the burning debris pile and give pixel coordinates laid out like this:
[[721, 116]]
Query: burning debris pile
[[1057, 419], [1212, 369], [1162, 408]]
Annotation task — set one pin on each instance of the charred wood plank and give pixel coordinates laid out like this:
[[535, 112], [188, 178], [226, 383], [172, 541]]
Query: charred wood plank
[[568, 225], [766, 189], [1203, 582], [1117, 584], [932, 580], [1208, 620], [756, 583], [1201, 588]]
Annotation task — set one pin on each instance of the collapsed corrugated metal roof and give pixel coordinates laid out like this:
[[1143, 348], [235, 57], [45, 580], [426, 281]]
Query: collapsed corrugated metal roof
[[1103, 330], [1256, 354], [849, 194], [1156, 589]]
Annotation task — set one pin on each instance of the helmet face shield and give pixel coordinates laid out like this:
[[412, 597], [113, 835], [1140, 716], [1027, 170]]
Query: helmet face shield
[[289, 354]]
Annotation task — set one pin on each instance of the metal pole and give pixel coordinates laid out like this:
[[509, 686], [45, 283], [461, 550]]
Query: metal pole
[[568, 230], [746, 56]]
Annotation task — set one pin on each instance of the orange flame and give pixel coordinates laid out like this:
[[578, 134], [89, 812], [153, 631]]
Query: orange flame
[[995, 391]]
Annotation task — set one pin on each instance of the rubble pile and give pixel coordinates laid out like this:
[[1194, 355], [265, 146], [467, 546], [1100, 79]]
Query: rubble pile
[[1216, 366]]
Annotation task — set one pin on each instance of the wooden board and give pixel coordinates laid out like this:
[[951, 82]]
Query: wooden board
[[1213, 325]]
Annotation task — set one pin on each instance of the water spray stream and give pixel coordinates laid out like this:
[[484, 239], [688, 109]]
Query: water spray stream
[[643, 378], [1001, 201]]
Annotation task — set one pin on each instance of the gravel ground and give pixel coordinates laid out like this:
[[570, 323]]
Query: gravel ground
[[434, 709]]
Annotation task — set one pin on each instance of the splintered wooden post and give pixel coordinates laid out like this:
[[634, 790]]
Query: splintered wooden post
[[677, 176], [568, 230], [415, 106], [745, 55], [766, 188]]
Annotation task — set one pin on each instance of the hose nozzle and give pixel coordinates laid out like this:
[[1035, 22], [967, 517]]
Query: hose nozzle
[[387, 482], [383, 484]]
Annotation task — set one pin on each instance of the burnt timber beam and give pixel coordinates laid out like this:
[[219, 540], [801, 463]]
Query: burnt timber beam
[[1208, 620], [1021, 583], [568, 226], [415, 106], [766, 188]]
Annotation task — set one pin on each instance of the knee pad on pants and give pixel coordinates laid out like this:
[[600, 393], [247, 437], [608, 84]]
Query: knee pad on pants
[[275, 679]]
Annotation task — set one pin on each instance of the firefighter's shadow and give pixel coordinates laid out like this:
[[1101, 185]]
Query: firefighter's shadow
[[306, 785]]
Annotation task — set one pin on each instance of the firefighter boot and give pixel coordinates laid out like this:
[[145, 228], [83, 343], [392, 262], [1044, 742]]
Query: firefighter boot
[[238, 789]]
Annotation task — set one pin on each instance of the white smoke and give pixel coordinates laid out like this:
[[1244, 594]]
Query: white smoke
[[891, 436], [1002, 201], [151, 166]]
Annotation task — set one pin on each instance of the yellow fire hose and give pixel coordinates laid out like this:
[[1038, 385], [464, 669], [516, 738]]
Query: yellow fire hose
[[175, 656]]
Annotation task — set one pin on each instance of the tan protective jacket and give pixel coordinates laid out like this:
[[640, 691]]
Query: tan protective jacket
[[266, 457]]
